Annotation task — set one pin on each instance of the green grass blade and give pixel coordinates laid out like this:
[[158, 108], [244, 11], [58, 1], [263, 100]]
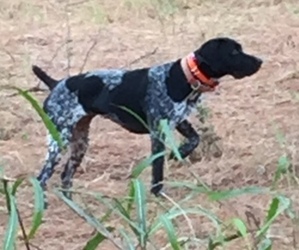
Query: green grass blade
[[106, 216], [2, 181], [240, 226], [278, 205], [38, 207], [15, 186], [222, 195], [45, 118], [144, 164], [115, 209], [129, 242], [174, 213], [136, 173], [140, 199], [189, 185], [110, 206], [124, 212], [90, 219], [169, 138], [265, 244], [282, 168], [170, 232], [130, 198], [273, 209], [10, 235], [280, 137], [7, 194], [96, 240], [137, 117]]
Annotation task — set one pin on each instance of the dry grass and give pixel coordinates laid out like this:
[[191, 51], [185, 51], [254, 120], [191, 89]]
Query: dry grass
[[247, 114]]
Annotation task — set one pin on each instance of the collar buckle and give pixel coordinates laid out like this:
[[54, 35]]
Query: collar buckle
[[195, 86]]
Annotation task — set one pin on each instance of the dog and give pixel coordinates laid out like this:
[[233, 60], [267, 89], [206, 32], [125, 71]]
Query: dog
[[169, 91]]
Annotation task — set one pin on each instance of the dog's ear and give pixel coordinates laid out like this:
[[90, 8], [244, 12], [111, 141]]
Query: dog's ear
[[201, 59], [206, 65]]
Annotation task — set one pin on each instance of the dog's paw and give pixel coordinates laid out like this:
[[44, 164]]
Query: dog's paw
[[157, 189]]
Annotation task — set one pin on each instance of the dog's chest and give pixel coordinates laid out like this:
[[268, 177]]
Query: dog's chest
[[180, 112], [174, 112], [160, 104]]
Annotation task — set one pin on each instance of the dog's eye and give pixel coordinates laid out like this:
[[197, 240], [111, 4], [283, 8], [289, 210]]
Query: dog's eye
[[235, 52]]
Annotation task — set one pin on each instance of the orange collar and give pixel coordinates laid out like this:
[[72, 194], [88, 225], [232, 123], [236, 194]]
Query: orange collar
[[198, 77]]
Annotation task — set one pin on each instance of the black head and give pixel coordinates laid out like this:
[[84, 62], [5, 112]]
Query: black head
[[224, 56]]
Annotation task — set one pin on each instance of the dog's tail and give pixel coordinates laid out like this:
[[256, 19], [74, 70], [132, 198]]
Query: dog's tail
[[43, 76]]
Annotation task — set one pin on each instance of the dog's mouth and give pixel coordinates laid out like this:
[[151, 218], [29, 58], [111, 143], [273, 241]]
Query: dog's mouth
[[250, 69], [238, 75]]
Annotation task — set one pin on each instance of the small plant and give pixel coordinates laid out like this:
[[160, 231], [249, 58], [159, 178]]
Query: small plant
[[138, 228], [9, 188], [202, 113]]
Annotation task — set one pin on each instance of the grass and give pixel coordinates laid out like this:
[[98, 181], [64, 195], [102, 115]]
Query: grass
[[139, 228]]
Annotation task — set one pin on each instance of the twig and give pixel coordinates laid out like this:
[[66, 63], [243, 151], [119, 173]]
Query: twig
[[56, 52], [77, 3], [294, 237], [68, 40], [34, 246], [33, 89], [94, 43], [183, 213], [23, 230], [88, 53], [7, 179], [229, 238], [148, 54], [9, 54], [251, 217]]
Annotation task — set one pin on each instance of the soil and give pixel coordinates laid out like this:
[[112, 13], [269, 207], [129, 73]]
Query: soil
[[249, 115]]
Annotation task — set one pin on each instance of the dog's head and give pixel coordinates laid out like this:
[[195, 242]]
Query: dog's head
[[224, 56]]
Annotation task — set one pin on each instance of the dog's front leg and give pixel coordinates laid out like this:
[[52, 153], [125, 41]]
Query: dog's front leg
[[157, 169], [185, 128]]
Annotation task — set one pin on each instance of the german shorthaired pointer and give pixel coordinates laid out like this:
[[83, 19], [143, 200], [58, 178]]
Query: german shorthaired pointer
[[168, 91]]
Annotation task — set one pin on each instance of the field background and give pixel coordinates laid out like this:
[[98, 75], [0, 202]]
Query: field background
[[257, 118]]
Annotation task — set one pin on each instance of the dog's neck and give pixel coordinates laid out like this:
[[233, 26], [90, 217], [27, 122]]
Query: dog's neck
[[181, 81], [195, 76]]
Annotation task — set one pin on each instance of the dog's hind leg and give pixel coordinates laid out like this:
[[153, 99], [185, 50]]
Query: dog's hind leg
[[186, 129], [78, 147], [52, 159], [65, 111]]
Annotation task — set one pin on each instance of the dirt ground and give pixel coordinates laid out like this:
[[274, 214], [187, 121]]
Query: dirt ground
[[247, 114]]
